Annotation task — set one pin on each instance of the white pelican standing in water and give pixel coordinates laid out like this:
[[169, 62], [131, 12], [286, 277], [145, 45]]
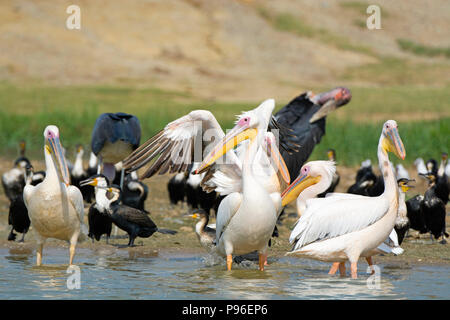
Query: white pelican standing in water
[[55, 207], [316, 176], [341, 229], [269, 168], [246, 217]]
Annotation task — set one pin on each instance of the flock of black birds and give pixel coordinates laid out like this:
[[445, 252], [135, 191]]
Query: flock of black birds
[[128, 213], [116, 197], [425, 213], [13, 182]]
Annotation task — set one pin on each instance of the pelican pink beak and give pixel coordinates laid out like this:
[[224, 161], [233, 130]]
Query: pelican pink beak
[[392, 141], [274, 154], [303, 181], [239, 133], [54, 147]]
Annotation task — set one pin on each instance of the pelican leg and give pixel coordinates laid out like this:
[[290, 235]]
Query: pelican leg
[[39, 253], [354, 269], [370, 263], [71, 253], [262, 261], [229, 261], [342, 269], [73, 243], [334, 268]]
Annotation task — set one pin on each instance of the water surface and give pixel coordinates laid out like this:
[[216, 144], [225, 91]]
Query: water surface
[[129, 274]]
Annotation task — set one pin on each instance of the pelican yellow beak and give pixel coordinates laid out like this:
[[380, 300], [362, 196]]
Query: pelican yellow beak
[[238, 134], [405, 186], [292, 192], [393, 143], [274, 153], [330, 155], [89, 182], [54, 148], [22, 146]]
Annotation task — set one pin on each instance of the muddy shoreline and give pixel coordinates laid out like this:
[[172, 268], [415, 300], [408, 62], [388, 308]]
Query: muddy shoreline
[[418, 250]]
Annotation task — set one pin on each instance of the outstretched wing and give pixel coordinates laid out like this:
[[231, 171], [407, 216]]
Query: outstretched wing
[[174, 146], [181, 143]]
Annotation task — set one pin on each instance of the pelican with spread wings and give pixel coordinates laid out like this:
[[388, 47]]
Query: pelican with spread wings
[[247, 215]]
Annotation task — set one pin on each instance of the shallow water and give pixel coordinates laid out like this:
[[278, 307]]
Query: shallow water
[[126, 274]]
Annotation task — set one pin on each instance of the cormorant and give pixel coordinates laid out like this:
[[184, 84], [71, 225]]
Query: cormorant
[[134, 191], [133, 221], [99, 220], [78, 174], [18, 212], [176, 188]]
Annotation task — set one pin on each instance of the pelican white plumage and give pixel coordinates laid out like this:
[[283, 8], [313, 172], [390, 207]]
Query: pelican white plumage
[[336, 229], [447, 167], [55, 207], [420, 166], [402, 173], [315, 177], [392, 243], [247, 215]]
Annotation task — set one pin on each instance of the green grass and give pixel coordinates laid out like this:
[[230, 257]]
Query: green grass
[[423, 50], [395, 100], [390, 71], [359, 23], [355, 142], [361, 8], [288, 22], [25, 111]]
